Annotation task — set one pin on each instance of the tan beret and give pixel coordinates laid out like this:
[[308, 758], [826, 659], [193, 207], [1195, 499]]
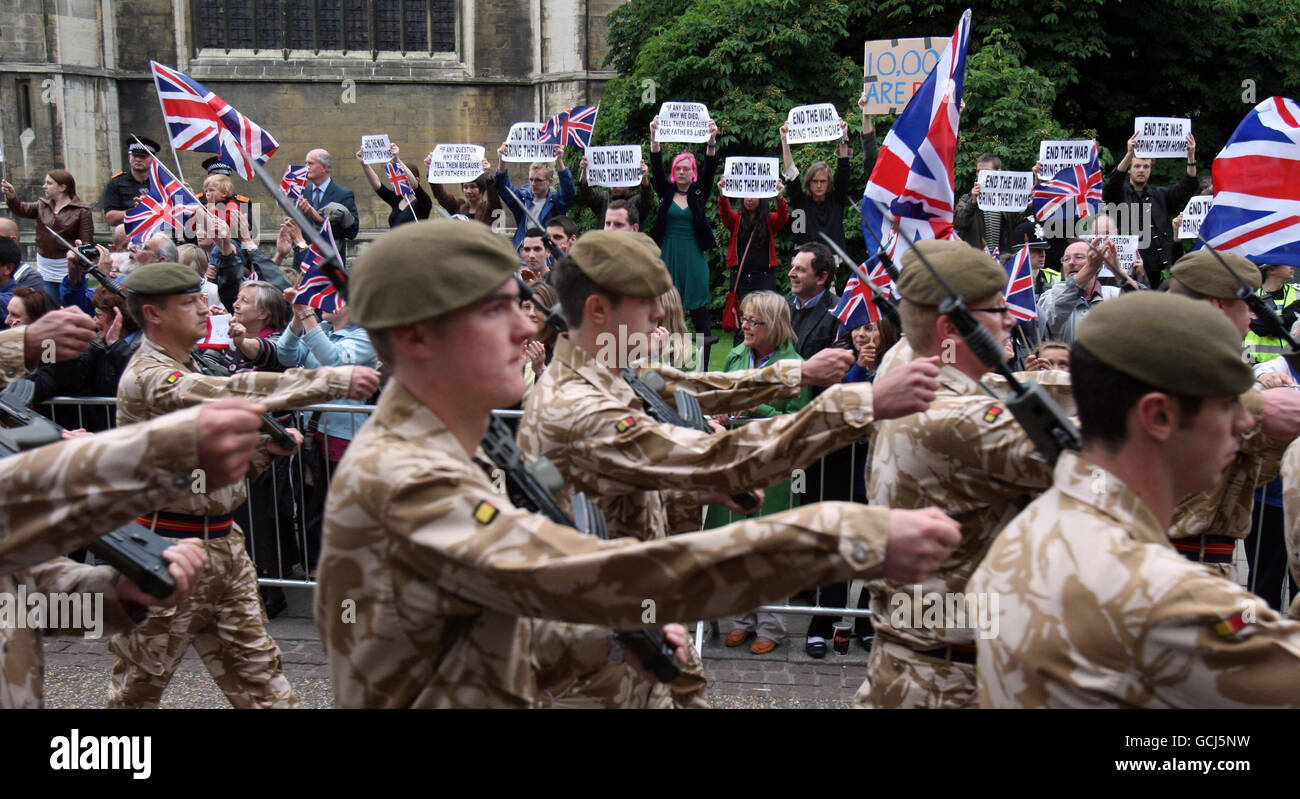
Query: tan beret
[[1172, 343], [970, 272], [1201, 272], [423, 270], [161, 279], [620, 263]]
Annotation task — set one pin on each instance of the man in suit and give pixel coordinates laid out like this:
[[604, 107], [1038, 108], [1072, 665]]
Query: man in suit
[[812, 289], [538, 196], [321, 191]]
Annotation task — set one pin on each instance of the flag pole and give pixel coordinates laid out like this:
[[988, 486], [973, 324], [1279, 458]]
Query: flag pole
[[410, 201], [180, 174]]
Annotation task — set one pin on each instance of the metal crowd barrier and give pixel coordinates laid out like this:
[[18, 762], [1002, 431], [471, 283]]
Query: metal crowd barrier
[[267, 547]]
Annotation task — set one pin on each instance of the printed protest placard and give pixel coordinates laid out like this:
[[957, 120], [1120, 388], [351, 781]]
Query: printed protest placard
[[522, 146], [1193, 215], [1004, 191], [1126, 248], [893, 69], [1058, 154], [455, 163], [614, 166], [376, 149], [1161, 137], [751, 176], [810, 123], [683, 122]]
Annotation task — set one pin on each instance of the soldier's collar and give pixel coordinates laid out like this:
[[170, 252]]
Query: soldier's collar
[[1091, 485]]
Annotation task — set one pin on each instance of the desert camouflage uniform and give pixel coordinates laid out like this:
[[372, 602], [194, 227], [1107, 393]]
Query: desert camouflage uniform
[[1096, 608], [1291, 508], [431, 582], [224, 618], [645, 475], [1204, 521], [968, 456], [65, 495]]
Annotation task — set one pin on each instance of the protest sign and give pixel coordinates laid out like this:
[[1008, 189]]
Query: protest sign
[[614, 166], [893, 69], [218, 337], [1004, 191], [1193, 215], [522, 146], [1057, 154], [810, 123], [455, 163], [1126, 248], [376, 149], [751, 176], [1161, 137], [683, 122]]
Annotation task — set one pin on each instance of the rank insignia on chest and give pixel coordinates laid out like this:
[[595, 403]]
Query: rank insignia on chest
[[992, 414], [625, 424], [173, 377], [485, 512]]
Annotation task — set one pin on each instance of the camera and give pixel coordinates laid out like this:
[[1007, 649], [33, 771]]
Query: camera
[[90, 251]]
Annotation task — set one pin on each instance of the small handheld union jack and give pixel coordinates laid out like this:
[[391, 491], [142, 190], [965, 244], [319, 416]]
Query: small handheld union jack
[[166, 204], [573, 126], [857, 306], [1020, 288], [294, 181], [1080, 184], [398, 178], [316, 290]]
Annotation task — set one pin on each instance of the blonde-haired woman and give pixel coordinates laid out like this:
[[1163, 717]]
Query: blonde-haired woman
[[677, 348], [769, 337]]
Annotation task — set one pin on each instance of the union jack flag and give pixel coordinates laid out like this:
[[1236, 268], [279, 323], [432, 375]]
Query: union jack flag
[[1256, 210], [316, 290], [200, 121], [166, 204], [294, 181], [913, 174], [1081, 183], [856, 306], [573, 126], [1020, 288], [401, 183]]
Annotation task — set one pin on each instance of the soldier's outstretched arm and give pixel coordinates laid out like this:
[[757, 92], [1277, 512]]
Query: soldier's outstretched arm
[[472, 543], [168, 390], [730, 392], [62, 335], [63, 496]]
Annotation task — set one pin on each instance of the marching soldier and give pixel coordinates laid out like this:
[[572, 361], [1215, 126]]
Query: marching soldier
[[432, 583], [224, 619], [651, 479], [1095, 607]]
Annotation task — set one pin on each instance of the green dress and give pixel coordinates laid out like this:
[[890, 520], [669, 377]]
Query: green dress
[[777, 497], [685, 262]]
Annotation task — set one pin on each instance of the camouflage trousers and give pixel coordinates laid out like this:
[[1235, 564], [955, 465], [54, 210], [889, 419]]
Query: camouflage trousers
[[899, 677], [224, 620]]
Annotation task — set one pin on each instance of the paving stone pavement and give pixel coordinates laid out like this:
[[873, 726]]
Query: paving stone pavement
[[77, 670]]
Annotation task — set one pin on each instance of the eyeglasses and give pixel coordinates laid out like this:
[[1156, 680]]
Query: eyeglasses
[[751, 321], [999, 310]]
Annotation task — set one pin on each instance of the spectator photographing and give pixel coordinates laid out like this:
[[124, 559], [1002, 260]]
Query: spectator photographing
[[60, 211]]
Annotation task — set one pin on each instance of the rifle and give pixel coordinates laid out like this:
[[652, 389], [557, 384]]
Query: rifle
[[531, 487], [688, 413], [108, 283], [1047, 425], [138, 554], [1262, 310]]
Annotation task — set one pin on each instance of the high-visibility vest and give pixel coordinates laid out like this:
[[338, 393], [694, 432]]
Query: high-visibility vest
[[1266, 348]]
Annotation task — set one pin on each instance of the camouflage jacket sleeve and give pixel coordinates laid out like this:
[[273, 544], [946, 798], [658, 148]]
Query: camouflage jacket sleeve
[[653, 456], [1210, 643], [161, 389], [65, 576], [470, 542], [63, 496], [13, 355], [565, 653], [730, 392]]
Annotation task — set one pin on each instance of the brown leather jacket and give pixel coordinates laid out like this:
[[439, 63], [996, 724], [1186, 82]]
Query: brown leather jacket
[[73, 222]]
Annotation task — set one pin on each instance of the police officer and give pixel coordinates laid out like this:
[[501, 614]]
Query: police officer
[[1278, 289], [432, 583], [123, 189], [1094, 607], [224, 619]]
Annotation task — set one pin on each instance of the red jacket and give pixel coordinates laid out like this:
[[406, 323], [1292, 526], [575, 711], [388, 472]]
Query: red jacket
[[775, 221]]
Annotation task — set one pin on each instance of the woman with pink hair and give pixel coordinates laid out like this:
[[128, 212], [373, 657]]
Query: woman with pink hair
[[681, 228]]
